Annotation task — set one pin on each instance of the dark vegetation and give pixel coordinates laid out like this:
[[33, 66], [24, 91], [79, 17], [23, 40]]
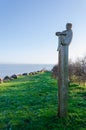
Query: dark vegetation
[[77, 71], [30, 103]]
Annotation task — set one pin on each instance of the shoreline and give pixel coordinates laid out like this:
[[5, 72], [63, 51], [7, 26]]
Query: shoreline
[[15, 76]]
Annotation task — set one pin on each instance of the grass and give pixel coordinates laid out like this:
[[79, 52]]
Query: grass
[[30, 103]]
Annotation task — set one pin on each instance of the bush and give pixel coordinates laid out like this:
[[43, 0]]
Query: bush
[[77, 71]]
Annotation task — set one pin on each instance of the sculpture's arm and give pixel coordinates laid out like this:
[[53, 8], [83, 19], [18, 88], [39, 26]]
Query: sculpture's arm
[[60, 34]]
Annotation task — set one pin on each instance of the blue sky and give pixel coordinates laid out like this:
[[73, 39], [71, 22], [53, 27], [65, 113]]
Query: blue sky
[[27, 29]]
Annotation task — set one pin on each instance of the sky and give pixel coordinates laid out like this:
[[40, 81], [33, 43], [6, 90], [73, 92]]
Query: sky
[[27, 30]]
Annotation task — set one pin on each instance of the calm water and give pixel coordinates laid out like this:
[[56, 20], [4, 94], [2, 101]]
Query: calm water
[[10, 69]]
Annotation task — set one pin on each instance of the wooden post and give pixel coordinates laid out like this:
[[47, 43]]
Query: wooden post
[[65, 38], [63, 82]]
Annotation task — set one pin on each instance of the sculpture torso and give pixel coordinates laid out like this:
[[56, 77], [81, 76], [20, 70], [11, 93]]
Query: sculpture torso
[[65, 38]]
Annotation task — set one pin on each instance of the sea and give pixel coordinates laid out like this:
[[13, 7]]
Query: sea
[[10, 69]]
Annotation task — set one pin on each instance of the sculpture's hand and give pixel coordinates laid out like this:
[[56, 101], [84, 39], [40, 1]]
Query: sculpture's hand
[[57, 33]]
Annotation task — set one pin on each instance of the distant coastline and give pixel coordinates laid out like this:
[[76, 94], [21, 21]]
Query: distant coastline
[[10, 69]]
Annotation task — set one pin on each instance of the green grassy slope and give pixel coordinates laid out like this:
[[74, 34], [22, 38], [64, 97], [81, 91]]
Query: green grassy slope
[[30, 103]]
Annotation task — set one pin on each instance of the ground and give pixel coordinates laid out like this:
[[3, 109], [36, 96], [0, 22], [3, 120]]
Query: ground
[[31, 103]]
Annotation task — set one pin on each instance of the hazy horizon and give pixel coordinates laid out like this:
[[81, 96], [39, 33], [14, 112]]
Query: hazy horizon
[[10, 69]]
